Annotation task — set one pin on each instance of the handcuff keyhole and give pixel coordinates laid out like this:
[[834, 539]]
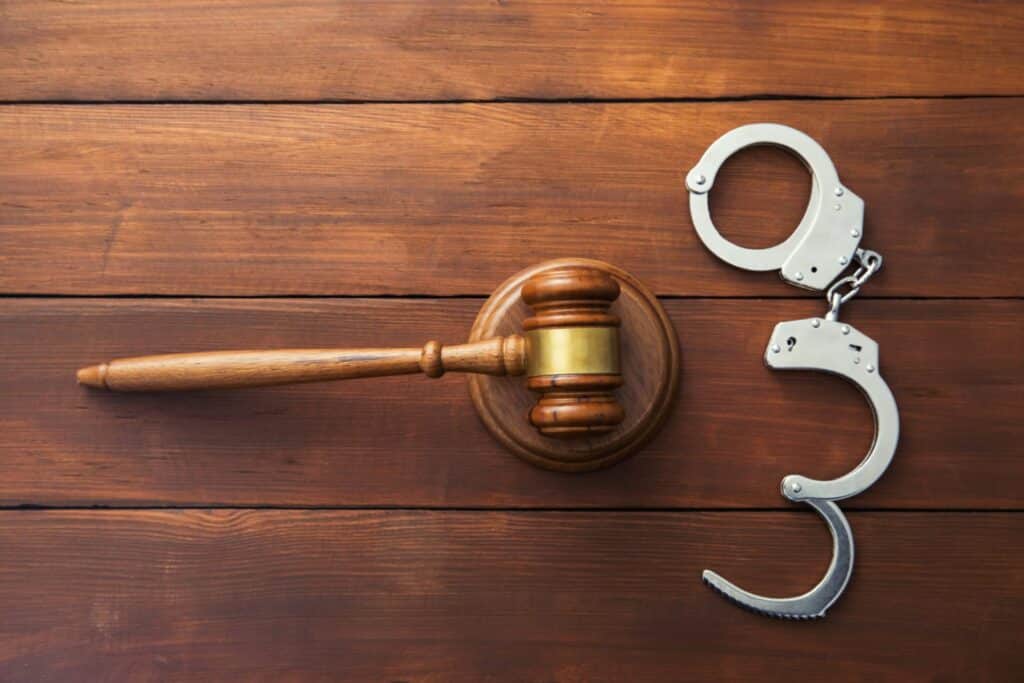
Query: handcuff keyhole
[[790, 343], [814, 269]]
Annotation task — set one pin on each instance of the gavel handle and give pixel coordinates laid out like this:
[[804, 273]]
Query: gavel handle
[[236, 369]]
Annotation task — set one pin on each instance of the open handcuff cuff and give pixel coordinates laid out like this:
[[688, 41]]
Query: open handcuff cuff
[[824, 245]]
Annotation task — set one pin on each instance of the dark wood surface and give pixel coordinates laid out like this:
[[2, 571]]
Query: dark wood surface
[[442, 596], [187, 176], [463, 49], [453, 199]]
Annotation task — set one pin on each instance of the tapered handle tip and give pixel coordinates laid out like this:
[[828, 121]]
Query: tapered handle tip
[[94, 376]]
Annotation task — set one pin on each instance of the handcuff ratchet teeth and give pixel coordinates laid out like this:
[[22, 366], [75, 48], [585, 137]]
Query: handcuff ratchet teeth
[[824, 245], [814, 603]]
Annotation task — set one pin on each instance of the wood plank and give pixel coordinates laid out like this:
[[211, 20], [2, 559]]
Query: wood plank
[[458, 49], [956, 369], [484, 596], [454, 199]]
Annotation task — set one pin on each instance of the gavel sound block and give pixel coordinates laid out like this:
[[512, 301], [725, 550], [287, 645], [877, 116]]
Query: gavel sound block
[[596, 347]]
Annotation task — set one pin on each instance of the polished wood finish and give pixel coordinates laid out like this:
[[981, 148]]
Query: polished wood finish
[[649, 360], [473, 596], [570, 293], [448, 200], [574, 293], [463, 49], [242, 369]]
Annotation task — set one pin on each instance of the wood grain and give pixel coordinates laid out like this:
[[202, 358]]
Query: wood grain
[[454, 199], [956, 368], [307, 172], [482, 596], [440, 50]]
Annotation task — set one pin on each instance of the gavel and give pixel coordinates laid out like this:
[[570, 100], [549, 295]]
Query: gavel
[[569, 353]]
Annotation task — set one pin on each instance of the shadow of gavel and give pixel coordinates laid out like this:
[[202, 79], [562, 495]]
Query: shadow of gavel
[[569, 353]]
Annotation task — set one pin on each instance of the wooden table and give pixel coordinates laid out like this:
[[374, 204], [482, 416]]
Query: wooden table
[[187, 175]]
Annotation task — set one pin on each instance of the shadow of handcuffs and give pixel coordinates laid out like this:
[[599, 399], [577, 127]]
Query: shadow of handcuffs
[[825, 244]]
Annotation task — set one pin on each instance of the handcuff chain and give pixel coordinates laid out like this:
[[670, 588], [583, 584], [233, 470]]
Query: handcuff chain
[[870, 262]]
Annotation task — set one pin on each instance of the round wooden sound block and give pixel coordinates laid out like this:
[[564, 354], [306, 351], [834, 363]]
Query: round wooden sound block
[[649, 357]]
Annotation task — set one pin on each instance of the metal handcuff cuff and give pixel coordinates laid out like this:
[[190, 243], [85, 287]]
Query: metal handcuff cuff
[[825, 243]]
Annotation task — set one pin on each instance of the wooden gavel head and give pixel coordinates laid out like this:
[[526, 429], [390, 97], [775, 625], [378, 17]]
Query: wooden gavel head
[[572, 351]]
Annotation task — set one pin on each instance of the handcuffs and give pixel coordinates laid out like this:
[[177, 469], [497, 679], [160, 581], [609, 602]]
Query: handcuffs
[[824, 245]]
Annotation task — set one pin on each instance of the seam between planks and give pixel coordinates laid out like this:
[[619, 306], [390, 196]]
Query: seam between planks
[[764, 97], [481, 508]]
